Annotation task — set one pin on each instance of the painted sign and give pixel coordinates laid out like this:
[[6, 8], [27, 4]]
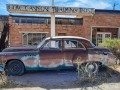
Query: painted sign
[[13, 8]]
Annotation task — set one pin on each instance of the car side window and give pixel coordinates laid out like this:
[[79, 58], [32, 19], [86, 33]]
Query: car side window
[[72, 44], [52, 44]]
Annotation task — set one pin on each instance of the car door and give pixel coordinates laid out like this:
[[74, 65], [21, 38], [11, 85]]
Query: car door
[[50, 54], [74, 49]]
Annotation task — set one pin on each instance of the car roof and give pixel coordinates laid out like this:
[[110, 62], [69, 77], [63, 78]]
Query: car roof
[[67, 37]]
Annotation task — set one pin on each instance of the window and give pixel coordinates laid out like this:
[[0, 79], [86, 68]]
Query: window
[[78, 22], [43, 21], [22, 20], [47, 20], [35, 21], [102, 35], [87, 44], [72, 44], [16, 20], [53, 44], [58, 21], [30, 20], [33, 39], [69, 21]]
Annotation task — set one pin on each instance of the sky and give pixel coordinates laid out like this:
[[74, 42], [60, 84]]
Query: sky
[[97, 4]]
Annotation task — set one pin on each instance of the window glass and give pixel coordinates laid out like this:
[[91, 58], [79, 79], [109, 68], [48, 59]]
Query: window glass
[[33, 39], [43, 21], [52, 44], [23, 21], [78, 22], [29, 20], [87, 44], [36, 21], [16, 21], [69, 21], [60, 21], [70, 44]]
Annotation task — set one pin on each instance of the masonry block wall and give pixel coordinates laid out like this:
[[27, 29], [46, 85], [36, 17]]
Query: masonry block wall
[[107, 20], [16, 30]]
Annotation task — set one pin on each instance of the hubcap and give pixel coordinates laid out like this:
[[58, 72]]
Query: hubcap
[[91, 68]]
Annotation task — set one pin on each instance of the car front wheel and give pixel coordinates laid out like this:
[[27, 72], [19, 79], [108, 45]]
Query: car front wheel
[[14, 68]]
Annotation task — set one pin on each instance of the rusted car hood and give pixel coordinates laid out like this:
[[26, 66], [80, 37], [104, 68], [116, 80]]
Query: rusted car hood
[[18, 50]]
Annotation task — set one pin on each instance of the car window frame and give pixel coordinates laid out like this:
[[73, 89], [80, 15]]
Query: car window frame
[[84, 48], [42, 47]]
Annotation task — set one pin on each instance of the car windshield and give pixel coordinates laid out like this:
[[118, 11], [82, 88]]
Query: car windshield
[[92, 44], [87, 44]]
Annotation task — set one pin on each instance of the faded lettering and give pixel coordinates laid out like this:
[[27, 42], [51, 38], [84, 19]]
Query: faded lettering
[[43, 9]]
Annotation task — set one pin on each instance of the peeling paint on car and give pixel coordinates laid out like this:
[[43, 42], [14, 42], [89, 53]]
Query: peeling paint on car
[[30, 60], [37, 58]]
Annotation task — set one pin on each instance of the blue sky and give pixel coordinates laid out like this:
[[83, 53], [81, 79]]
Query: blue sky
[[97, 4]]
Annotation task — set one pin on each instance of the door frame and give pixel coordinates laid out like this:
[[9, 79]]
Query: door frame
[[50, 59], [103, 35], [95, 27]]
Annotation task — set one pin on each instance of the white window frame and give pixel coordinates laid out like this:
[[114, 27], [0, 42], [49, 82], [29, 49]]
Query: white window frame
[[27, 37], [103, 37]]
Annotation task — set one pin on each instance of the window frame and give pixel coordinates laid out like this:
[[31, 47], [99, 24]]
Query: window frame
[[32, 33], [73, 48], [42, 47], [103, 36]]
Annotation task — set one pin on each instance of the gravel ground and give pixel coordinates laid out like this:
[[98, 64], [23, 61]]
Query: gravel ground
[[62, 80]]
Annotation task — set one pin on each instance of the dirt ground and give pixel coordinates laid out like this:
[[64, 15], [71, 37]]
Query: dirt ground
[[62, 80]]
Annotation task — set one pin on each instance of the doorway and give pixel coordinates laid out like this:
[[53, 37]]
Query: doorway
[[102, 35]]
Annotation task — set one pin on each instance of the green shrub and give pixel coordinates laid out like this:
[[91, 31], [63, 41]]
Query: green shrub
[[113, 45]]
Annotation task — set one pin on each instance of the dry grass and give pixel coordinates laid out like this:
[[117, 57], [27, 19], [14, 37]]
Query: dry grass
[[7, 83], [101, 78], [3, 79]]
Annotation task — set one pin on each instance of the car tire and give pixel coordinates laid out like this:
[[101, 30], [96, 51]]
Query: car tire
[[15, 68], [91, 66]]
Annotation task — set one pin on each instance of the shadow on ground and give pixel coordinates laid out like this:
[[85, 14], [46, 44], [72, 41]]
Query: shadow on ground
[[63, 79]]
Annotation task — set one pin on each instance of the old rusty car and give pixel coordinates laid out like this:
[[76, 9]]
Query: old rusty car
[[60, 52]]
